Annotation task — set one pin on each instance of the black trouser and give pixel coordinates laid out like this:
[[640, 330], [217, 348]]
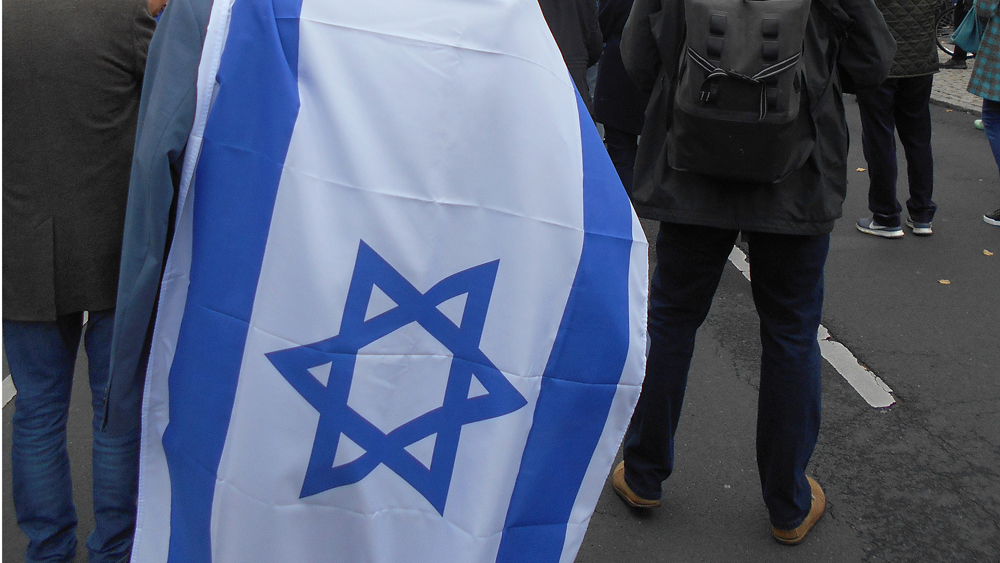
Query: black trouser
[[900, 105], [961, 8], [787, 286], [622, 147]]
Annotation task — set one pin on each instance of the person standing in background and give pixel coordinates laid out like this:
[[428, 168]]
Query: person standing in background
[[902, 105], [574, 26], [618, 103], [985, 81], [72, 73], [958, 56], [787, 225]]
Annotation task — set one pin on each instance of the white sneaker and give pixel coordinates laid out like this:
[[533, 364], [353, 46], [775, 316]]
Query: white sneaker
[[920, 229]]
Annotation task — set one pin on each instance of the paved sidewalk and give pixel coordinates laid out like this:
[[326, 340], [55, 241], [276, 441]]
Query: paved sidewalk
[[950, 88]]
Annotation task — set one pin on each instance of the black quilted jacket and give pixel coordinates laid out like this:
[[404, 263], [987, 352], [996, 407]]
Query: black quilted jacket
[[912, 25]]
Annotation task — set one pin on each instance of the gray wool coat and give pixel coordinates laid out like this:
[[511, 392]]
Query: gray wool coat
[[72, 74]]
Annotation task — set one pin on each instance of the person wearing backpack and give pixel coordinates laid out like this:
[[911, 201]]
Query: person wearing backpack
[[744, 132], [901, 104]]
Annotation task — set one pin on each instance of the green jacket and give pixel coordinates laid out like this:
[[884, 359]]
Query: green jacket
[[912, 25]]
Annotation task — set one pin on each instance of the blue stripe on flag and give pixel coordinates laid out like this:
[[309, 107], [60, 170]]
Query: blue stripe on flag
[[578, 386], [246, 140]]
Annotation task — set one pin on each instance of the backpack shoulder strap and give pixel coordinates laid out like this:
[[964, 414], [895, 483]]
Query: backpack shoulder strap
[[840, 23]]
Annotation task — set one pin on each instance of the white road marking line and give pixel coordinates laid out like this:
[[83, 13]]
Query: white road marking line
[[8, 390], [740, 261], [870, 386], [865, 382]]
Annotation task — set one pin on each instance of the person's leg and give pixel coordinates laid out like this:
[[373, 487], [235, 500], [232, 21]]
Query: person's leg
[[622, 147], [690, 260], [961, 9], [959, 55], [787, 283], [913, 123], [878, 143], [41, 356], [991, 124], [115, 460]]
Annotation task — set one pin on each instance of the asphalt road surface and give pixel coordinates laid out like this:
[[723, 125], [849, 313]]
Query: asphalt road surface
[[919, 481]]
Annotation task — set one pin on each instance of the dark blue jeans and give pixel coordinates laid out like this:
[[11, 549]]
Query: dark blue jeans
[[41, 356], [787, 287], [991, 124], [899, 105]]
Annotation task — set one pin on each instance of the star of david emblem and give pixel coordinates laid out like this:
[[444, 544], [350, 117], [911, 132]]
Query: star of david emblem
[[496, 397]]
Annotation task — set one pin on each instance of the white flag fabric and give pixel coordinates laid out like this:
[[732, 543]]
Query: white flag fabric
[[403, 315]]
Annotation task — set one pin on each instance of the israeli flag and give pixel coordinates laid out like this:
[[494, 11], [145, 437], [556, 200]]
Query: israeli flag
[[403, 315]]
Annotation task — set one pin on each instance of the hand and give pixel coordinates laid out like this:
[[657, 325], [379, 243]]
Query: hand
[[156, 6]]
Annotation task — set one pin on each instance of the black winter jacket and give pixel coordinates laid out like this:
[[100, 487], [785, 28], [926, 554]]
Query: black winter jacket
[[808, 201], [618, 103], [574, 26]]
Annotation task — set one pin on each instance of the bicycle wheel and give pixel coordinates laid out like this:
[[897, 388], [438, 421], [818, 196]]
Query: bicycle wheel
[[945, 26]]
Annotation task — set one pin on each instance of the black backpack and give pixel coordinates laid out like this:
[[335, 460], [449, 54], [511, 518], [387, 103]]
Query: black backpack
[[741, 110]]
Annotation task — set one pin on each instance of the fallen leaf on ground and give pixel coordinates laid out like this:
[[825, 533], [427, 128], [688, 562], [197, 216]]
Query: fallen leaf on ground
[[987, 253], [947, 111], [861, 169], [944, 282]]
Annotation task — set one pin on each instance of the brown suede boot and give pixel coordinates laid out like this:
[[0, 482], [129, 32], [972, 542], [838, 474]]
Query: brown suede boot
[[623, 490], [794, 537]]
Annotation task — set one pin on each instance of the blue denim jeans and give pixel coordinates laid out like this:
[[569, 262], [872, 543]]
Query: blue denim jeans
[[41, 356], [899, 105], [991, 124], [787, 285]]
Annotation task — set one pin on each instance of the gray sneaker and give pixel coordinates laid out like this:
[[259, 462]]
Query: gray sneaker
[[920, 229], [870, 227]]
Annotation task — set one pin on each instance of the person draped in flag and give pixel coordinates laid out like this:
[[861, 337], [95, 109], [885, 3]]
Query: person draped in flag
[[378, 304]]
